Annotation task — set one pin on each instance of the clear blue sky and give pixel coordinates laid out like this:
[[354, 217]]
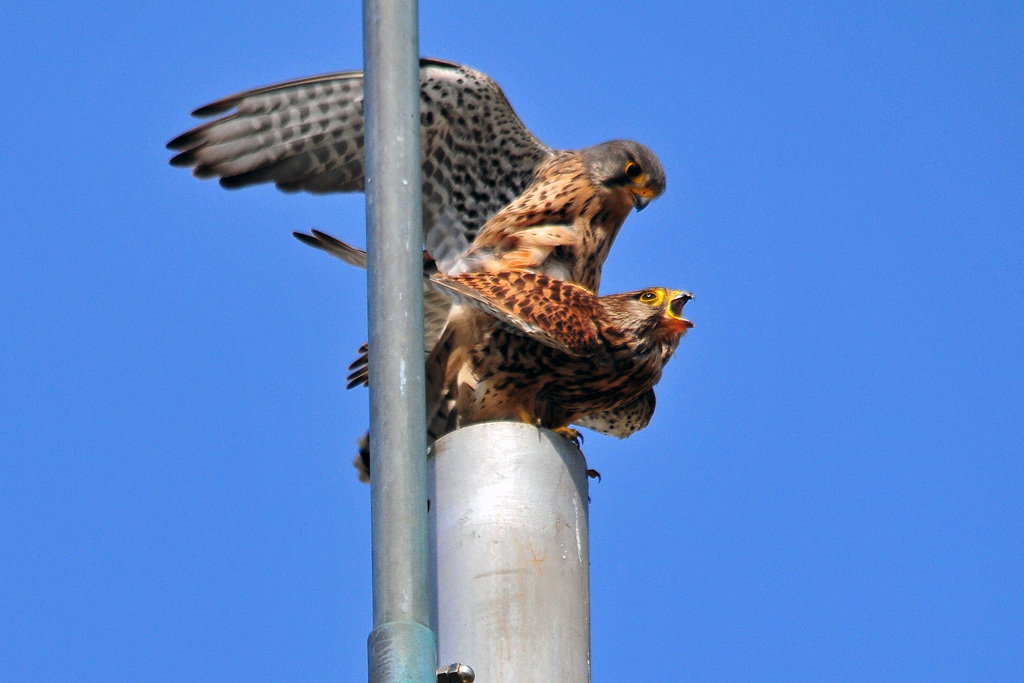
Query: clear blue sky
[[832, 487]]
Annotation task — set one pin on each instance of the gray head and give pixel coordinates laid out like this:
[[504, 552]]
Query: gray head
[[628, 165]]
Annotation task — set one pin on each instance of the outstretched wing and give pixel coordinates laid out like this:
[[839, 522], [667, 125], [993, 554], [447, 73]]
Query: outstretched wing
[[308, 135], [554, 312]]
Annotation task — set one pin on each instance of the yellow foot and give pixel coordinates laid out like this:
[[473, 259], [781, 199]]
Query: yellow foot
[[571, 434]]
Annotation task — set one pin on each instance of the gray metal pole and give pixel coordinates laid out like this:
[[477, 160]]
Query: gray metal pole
[[401, 648], [510, 544]]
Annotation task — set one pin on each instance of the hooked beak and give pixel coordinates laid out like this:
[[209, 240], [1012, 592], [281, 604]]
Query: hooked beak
[[640, 202]]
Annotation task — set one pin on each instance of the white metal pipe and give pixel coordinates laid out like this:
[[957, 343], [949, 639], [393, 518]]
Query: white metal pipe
[[510, 552]]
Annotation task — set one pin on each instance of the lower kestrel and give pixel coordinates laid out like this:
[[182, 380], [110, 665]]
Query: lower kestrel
[[524, 346], [550, 352]]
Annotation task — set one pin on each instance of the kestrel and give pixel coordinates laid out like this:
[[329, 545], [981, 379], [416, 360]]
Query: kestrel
[[487, 180], [524, 346], [550, 352]]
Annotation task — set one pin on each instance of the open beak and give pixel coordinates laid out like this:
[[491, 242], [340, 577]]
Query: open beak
[[675, 308], [677, 303]]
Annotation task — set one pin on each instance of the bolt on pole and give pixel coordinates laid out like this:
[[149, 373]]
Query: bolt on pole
[[401, 647]]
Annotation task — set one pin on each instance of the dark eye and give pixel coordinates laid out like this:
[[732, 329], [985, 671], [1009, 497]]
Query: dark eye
[[633, 171], [648, 297]]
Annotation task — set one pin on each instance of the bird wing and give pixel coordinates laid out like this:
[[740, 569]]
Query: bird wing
[[556, 313], [307, 135]]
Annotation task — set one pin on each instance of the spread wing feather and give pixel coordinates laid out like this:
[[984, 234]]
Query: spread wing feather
[[308, 135], [556, 313]]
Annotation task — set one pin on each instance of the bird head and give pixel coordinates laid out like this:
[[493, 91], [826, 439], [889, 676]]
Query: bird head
[[628, 167], [655, 314]]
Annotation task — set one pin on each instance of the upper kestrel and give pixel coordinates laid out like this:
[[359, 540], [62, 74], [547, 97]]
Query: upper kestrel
[[486, 177]]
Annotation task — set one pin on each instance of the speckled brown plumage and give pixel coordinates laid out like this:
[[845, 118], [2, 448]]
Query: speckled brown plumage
[[563, 225], [624, 420], [551, 352]]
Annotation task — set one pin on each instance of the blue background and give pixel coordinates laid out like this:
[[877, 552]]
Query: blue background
[[832, 487]]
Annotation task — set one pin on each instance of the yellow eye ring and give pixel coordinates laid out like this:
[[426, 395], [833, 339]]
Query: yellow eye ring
[[633, 171], [649, 297]]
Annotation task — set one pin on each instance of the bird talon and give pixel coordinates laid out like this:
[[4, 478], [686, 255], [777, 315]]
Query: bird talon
[[571, 434], [594, 474]]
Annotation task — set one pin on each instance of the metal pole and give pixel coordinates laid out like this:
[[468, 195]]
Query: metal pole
[[510, 545], [401, 647]]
